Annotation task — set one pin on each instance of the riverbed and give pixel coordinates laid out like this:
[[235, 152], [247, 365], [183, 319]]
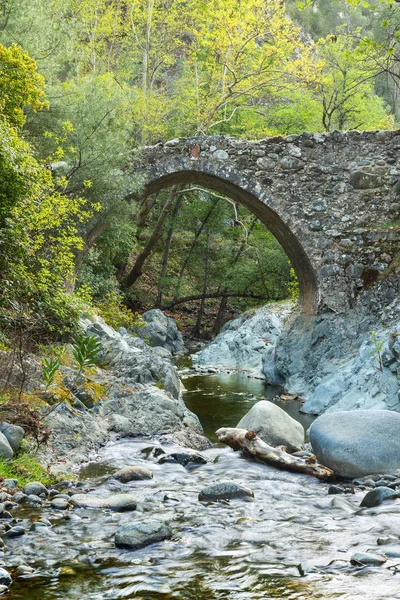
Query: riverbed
[[291, 541]]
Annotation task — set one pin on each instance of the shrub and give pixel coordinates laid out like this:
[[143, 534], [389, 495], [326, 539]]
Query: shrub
[[116, 314], [86, 352]]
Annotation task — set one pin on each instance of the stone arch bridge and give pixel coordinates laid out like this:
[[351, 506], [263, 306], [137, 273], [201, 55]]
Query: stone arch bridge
[[329, 199]]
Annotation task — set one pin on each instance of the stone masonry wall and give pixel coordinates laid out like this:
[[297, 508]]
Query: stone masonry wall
[[329, 199]]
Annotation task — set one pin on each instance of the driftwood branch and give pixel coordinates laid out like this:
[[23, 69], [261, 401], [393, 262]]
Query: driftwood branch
[[253, 446]]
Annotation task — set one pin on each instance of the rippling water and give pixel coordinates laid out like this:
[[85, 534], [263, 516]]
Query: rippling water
[[238, 550]]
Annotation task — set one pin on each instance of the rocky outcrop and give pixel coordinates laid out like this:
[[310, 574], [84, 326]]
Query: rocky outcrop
[[273, 425], [358, 442], [142, 397], [345, 362], [247, 344], [161, 332]]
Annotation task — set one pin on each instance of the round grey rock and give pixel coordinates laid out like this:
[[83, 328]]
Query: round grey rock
[[13, 433], [35, 488], [377, 496], [273, 425], [133, 473], [139, 535], [225, 490], [59, 503], [355, 443]]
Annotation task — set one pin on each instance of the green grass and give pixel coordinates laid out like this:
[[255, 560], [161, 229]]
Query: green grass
[[25, 467]]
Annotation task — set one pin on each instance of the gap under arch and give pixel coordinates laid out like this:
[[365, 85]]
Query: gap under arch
[[308, 286]]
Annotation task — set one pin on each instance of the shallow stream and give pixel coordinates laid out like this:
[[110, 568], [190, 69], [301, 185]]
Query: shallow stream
[[237, 550]]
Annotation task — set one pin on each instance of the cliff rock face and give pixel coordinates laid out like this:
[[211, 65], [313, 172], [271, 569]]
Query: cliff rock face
[[247, 344]]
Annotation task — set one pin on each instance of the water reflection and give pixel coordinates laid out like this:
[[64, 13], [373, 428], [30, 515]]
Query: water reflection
[[221, 400]]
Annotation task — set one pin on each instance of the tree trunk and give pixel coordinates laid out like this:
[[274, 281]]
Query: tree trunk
[[224, 300], [136, 270], [186, 299], [197, 327], [167, 250], [192, 246], [253, 446]]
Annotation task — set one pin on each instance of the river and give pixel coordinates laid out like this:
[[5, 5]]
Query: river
[[238, 550]]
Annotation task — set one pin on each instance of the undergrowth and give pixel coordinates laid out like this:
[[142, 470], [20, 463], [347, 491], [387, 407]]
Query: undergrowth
[[25, 468]]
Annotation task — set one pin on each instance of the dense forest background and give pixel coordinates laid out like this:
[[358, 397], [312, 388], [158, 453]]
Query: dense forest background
[[85, 83]]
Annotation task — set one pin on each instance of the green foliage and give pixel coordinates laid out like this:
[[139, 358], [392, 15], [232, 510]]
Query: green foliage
[[293, 285], [50, 367], [113, 310], [86, 352], [25, 468], [377, 346]]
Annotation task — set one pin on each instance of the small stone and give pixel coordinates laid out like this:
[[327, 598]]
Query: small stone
[[133, 473], [185, 459], [377, 496], [60, 503], [10, 484], [221, 155], [225, 491], [14, 532], [365, 558], [14, 434], [24, 570], [335, 489], [66, 572], [138, 535], [266, 164]]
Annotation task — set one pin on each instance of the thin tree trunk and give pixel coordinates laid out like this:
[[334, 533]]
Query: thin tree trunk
[[199, 319], [192, 246], [211, 295], [167, 249], [136, 270], [224, 300]]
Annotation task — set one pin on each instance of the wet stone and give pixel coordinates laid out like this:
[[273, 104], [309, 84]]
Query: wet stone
[[225, 491], [117, 502], [133, 473], [138, 535], [5, 577], [366, 558], [377, 496], [14, 532], [59, 503], [184, 459]]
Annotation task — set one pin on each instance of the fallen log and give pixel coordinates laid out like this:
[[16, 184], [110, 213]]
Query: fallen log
[[253, 446]]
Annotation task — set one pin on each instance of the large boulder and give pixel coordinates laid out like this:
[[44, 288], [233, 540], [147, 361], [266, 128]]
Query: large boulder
[[355, 443], [273, 425], [247, 344], [161, 331]]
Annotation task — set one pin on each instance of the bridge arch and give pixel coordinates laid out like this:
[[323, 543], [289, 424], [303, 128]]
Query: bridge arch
[[329, 200], [224, 181]]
